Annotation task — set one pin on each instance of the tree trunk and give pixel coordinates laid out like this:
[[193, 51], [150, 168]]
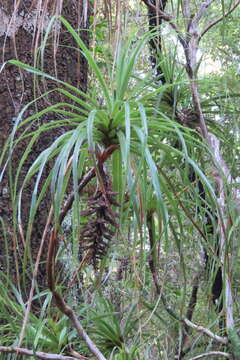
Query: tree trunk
[[17, 36]]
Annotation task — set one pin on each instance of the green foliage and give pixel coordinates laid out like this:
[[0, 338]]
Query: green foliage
[[42, 332], [112, 333], [125, 120], [235, 342], [158, 212]]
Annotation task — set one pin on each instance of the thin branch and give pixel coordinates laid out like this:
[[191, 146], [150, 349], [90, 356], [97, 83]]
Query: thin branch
[[209, 26], [188, 323], [212, 353], [65, 309], [201, 11], [37, 354], [186, 9], [220, 339], [168, 18], [156, 9], [78, 356]]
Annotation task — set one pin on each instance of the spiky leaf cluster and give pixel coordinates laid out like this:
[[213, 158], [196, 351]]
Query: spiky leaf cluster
[[101, 226]]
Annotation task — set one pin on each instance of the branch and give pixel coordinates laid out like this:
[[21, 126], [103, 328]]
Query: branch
[[220, 339], [168, 18], [37, 354], [188, 323], [201, 11], [186, 9], [210, 353], [156, 9], [65, 309], [78, 356], [209, 26]]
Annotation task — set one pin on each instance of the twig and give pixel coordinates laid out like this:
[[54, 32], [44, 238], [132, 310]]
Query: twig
[[212, 353], [220, 339], [209, 26], [201, 12], [156, 9], [37, 354], [186, 9], [168, 18], [78, 356]]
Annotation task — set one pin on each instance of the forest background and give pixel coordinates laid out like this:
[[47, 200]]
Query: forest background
[[119, 179]]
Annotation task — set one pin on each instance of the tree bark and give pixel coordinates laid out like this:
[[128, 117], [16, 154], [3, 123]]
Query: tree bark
[[17, 36]]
